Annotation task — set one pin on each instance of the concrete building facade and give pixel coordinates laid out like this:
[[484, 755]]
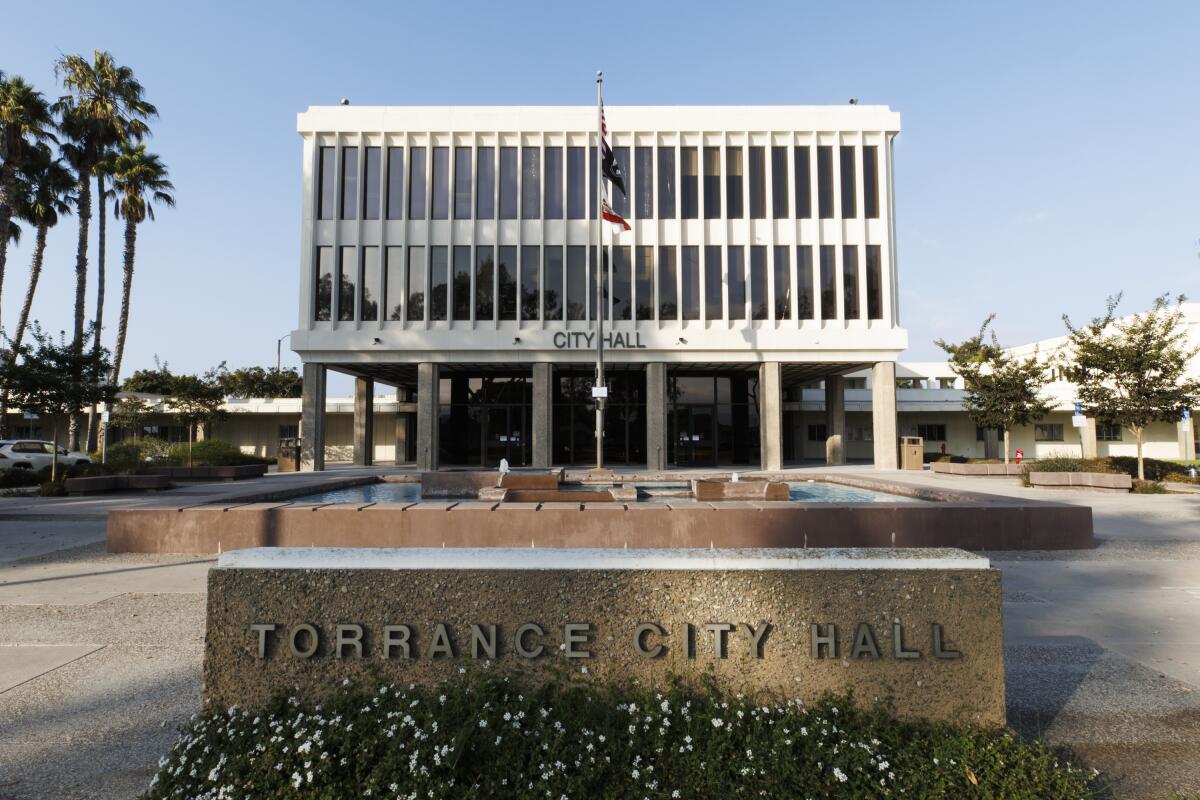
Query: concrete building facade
[[449, 252]]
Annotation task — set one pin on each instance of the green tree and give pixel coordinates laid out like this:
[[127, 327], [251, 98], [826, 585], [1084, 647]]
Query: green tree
[[1133, 371], [130, 414], [197, 400], [52, 378], [139, 181], [25, 123], [160, 380], [1001, 391], [104, 106], [260, 382]]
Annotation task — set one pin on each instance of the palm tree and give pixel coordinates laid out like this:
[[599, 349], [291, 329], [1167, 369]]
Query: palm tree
[[103, 168], [25, 121], [48, 192], [139, 181], [104, 107]]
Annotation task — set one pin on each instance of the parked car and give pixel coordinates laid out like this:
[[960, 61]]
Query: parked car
[[36, 454]]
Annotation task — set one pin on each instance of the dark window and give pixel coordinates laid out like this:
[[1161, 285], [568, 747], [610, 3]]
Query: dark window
[[416, 184], [816, 433], [552, 296], [929, 431], [803, 183], [485, 275], [573, 417], [850, 280], [508, 183], [779, 182], [1108, 432], [733, 184], [576, 188], [874, 282], [689, 183], [825, 181], [737, 282], [462, 182], [804, 281], [440, 208], [460, 289], [666, 183], [372, 175], [350, 182], [644, 283], [849, 184], [1048, 432], [758, 183], [712, 419], [416, 284], [622, 283], [712, 282], [981, 434], [758, 283], [553, 194], [620, 201], [484, 418], [485, 183], [347, 267], [577, 282], [782, 263], [531, 256], [531, 182], [668, 270], [395, 183], [323, 309], [506, 279], [689, 281], [369, 301], [828, 289], [712, 183], [871, 181], [439, 283], [643, 183], [393, 308], [326, 175]]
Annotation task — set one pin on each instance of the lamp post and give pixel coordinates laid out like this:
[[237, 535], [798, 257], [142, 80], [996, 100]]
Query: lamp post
[[279, 350]]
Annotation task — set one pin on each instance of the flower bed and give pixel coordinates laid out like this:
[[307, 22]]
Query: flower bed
[[490, 739]]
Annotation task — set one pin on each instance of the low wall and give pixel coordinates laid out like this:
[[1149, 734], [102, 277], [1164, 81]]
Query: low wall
[[920, 629], [1103, 481], [977, 470], [969, 525]]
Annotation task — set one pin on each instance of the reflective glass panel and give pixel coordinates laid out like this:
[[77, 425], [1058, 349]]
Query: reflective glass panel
[[803, 183], [395, 183], [758, 183], [394, 305], [485, 179], [804, 281], [416, 184], [668, 282], [712, 183], [506, 282], [643, 182], [372, 175], [485, 276], [531, 182], [644, 283], [552, 297], [439, 283], [874, 282], [689, 183], [619, 200], [508, 183], [347, 269], [369, 301], [531, 256], [871, 181], [849, 183], [576, 282], [326, 175], [350, 182], [554, 183], [440, 208], [689, 281], [460, 290], [850, 280], [576, 186], [758, 283], [323, 307], [736, 273], [666, 183], [462, 182], [781, 262], [712, 282], [825, 181], [733, 183], [416, 284], [828, 289], [622, 283]]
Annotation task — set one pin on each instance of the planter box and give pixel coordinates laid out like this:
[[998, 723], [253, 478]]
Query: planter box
[[116, 483], [1101, 481], [977, 470]]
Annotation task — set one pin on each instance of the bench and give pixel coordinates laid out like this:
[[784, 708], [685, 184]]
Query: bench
[[1100, 481]]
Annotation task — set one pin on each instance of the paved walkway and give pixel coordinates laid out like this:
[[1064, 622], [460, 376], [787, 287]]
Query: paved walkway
[[100, 654]]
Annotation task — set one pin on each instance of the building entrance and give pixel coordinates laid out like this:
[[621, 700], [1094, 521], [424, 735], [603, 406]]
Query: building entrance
[[624, 417], [484, 418], [712, 418]]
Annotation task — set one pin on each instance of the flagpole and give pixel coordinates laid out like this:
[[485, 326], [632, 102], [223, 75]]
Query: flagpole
[[600, 399]]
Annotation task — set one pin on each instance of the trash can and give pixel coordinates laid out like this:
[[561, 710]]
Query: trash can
[[288, 457], [912, 452]]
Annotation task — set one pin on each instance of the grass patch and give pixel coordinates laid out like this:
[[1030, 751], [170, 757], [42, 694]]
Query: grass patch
[[488, 738]]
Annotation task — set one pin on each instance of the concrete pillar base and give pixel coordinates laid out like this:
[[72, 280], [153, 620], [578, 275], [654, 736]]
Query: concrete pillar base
[[364, 422], [1087, 439], [427, 416], [656, 415], [835, 420], [312, 419], [770, 415], [883, 415], [543, 373]]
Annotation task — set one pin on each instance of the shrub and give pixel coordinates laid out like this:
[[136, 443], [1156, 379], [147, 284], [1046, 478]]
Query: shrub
[[1148, 487], [13, 478], [1155, 470], [212, 453], [488, 738], [132, 455]]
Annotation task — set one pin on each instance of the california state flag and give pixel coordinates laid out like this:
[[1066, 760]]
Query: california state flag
[[616, 219]]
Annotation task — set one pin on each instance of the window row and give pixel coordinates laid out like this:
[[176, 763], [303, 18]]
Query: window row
[[533, 283], [548, 182]]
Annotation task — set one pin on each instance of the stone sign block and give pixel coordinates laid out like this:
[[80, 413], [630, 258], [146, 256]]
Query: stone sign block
[[920, 629]]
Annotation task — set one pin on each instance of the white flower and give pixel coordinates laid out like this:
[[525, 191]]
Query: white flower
[[717, 723], [841, 776]]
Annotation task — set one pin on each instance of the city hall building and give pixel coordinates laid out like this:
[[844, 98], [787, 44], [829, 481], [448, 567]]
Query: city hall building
[[450, 252]]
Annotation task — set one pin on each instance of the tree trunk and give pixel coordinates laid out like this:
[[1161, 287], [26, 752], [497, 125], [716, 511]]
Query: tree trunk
[[35, 271], [190, 424], [1006, 445], [126, 287], [54, 457], [1137, 435], [84, 186], [101, 225], [7, 195]]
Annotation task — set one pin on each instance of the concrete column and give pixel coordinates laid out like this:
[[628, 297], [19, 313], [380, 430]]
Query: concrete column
[[656, 415], [1187, 442], [991, 443], [883, 415], [835, 419], [427, 416], [543, 429], [770, 415], [1087, 439], [312, 419], [364, 422]]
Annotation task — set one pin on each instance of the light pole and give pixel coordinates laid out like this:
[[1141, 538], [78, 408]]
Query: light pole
[[279, 350]]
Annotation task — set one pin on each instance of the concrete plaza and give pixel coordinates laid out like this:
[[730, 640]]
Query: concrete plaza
[[100, 655]]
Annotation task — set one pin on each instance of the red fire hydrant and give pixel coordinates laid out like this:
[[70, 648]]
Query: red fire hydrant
[[1020, 455]]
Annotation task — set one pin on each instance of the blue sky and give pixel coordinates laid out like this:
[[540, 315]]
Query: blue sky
[[1047, 158]]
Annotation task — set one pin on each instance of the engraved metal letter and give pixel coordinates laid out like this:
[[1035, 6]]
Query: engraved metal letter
[[864, 642], [440, 647], [304, 627], [829, 640], [401, 641], [758, 639], [719, 631], [519, 640], [481, 641], [898, 643], [939, 650], [349, 635], [576, 633], [639, 640], [262, 629]]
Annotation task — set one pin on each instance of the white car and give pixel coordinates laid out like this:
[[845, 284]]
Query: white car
[[36, 454]]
